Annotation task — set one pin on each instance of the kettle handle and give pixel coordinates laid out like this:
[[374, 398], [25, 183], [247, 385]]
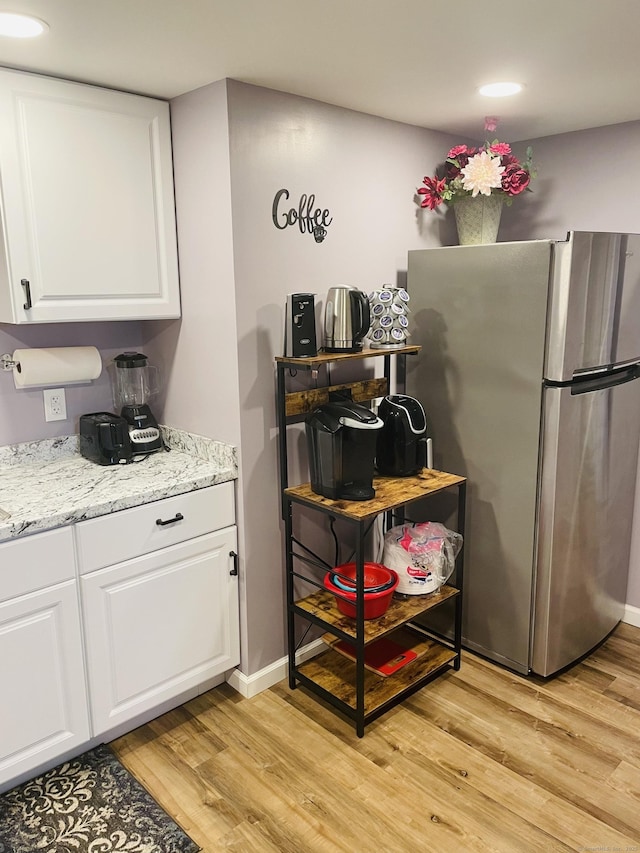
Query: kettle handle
[[359, 309]]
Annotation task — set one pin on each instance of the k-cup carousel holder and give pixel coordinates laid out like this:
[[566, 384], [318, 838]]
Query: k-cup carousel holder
[[389, 309]]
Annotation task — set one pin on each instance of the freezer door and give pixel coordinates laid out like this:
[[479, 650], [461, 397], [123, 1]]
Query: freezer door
[[587, 487], [594, 305]]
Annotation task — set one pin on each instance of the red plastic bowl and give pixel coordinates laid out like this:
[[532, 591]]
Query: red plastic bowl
[[375, 603], [375, 574]]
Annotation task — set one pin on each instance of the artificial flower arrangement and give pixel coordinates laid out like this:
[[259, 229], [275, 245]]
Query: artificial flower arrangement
[[490, 169]]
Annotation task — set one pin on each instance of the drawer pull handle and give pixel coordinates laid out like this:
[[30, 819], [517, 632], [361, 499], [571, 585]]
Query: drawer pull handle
[[234, 570], [178, 517]]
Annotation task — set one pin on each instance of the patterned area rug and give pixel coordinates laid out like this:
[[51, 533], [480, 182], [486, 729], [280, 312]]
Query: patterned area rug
[[88, 805]]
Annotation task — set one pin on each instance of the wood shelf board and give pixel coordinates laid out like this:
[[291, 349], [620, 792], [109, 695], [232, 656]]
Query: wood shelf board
[[391, 492], [325, 357], [301, 402], [322, 605], [337, 674], [407, 638]]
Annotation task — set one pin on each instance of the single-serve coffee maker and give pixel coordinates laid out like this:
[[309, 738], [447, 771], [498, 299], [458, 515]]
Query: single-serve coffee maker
[[341, 441], [134, 382]]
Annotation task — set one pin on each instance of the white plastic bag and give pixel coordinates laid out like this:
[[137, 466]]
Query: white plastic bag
[[423, 555]]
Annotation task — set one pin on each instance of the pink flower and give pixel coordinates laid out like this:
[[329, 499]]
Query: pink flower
[[432, 192], [490, 169], [456, 151], [500, 148], [515, 179], [462, 157]]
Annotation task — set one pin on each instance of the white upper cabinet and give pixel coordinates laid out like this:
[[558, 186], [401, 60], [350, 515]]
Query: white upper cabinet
[[87, 203]]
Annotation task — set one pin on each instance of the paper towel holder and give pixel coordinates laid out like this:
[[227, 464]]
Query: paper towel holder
[[62, 366], [7, 362]]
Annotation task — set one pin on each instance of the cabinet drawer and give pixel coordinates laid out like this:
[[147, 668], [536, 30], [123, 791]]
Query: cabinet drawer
[[34, 562], [131, 533]]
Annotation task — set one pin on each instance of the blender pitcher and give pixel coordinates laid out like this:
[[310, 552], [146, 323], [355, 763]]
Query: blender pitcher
[[134, 382]]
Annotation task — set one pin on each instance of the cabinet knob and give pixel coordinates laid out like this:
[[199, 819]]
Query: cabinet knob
[[234, 570]]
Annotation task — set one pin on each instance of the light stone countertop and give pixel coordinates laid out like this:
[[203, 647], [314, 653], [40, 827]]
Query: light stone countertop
[[46, 484]]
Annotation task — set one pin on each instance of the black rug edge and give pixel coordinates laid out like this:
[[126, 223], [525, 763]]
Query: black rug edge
[[104, 752], [145, 790]]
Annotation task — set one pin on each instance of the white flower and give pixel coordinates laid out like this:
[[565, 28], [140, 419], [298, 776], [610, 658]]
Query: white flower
[[482, 174]]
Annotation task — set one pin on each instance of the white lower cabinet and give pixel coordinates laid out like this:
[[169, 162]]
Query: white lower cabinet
[[159, 590], [152, 618], [43, 712], [159, 625]]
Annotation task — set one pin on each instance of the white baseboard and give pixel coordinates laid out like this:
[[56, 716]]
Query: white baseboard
[[251, 685], [632, 615]]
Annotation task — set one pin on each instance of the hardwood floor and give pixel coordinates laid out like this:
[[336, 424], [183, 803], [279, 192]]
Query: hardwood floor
[[480, 760]]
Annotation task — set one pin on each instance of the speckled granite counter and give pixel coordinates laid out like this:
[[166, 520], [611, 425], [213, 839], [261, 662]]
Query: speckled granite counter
[[45, 484]]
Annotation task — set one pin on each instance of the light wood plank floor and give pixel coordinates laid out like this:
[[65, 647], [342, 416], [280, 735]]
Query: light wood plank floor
[[480, 760]]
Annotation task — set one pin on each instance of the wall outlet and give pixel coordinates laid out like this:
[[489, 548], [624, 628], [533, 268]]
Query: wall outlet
[[55, 405]]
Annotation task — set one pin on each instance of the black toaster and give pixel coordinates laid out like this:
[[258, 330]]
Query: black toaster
[[104, 438]]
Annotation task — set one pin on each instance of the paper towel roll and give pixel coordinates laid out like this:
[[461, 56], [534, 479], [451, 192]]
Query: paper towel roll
[[56, 366]]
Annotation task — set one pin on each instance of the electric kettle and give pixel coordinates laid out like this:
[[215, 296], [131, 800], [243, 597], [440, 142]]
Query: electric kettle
[[346, 319]]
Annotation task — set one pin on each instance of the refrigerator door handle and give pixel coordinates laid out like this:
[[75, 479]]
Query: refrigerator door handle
[[599, 382], [590, 372]]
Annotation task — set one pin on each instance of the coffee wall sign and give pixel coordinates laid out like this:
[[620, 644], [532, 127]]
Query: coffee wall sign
[[309, 218]]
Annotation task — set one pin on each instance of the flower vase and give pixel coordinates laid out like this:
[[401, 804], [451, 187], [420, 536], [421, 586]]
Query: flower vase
[[478, 219]]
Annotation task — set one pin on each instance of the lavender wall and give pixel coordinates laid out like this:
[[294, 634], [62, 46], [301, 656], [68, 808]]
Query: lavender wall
[[587, 181], [22, 412], [197, 354], [364, 170], [235, 146]]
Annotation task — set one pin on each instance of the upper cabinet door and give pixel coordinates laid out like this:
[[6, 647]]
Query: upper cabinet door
[[87, 203]]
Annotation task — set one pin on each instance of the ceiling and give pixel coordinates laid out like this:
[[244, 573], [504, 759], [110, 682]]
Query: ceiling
[[415, 61]]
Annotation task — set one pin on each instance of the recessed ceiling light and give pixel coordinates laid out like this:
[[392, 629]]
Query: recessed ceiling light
[[20, 26], [500, 90]]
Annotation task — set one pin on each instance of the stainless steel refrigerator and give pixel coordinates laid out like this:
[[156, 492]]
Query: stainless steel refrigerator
[[528, 375]]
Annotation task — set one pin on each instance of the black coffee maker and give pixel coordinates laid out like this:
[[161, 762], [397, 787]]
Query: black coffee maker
[[401, 447], [341, 441]]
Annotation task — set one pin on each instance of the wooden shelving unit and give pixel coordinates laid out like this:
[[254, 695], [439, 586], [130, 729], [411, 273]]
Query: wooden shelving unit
[[327, 357], [336, 676], [359, 693], [391, 493], [322, 606]]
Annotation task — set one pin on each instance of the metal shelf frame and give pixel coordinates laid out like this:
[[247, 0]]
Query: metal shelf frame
[[366, 696]]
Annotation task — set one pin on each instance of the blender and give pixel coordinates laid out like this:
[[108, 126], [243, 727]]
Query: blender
[[134, 382]]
